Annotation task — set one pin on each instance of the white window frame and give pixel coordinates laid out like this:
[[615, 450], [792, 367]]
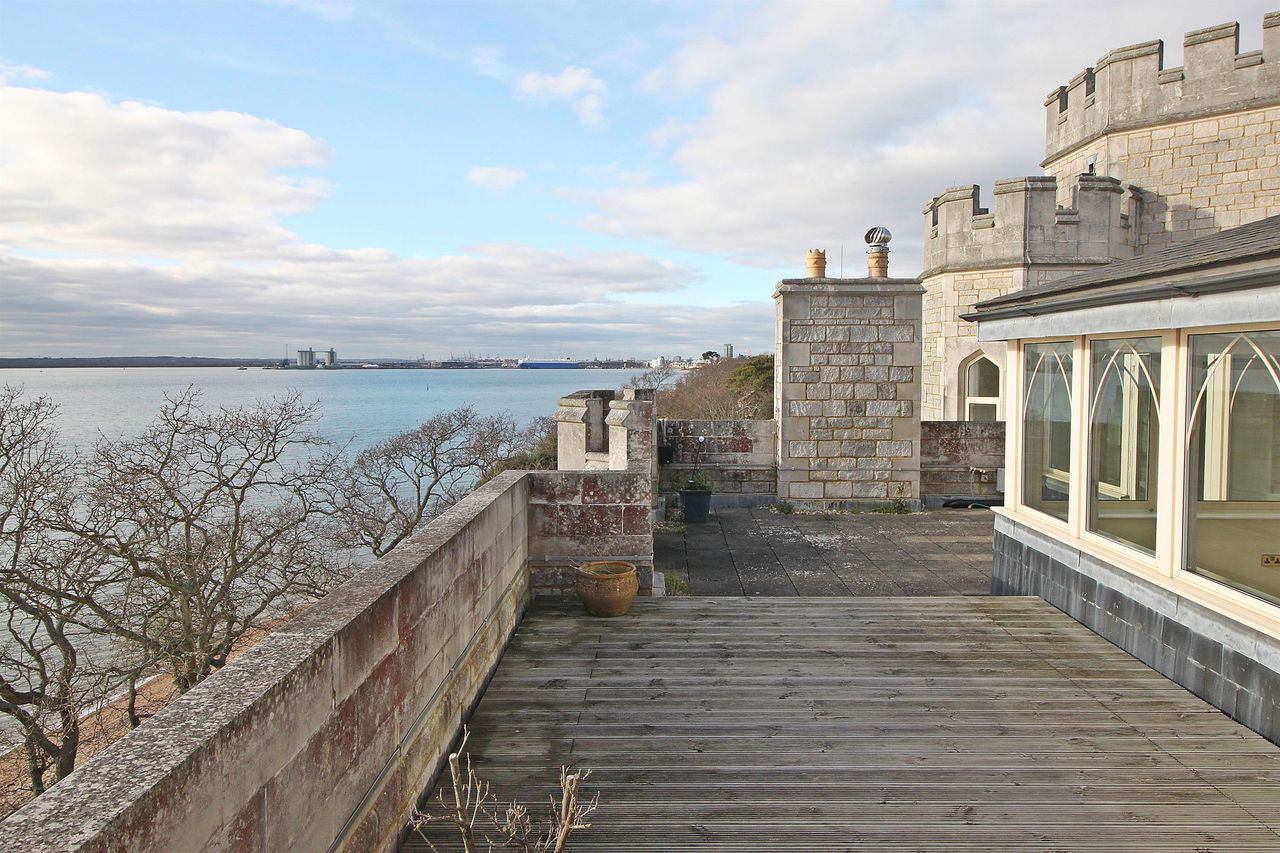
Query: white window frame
[[1166, 567], [968, 399]]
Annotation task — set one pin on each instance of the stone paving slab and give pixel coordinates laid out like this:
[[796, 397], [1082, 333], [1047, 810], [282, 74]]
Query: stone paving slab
[[761, 552]]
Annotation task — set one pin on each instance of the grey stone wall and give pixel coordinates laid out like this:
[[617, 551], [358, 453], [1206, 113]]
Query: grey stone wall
[[1130, 87], [739, 456], [847, 390], [974, 253], [697, 442], [1229, 665], [577, 516], [731, 481], [949, 453]]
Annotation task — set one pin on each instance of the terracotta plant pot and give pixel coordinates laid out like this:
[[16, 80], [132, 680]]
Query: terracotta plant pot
[[607, 587]]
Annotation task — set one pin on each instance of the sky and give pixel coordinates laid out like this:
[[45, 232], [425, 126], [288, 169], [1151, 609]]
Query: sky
[[538, 179]]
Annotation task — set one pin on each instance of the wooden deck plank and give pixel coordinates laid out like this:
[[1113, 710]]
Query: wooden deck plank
[[932, 724]]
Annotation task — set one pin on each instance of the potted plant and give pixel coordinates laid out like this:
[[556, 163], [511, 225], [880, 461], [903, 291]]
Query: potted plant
[[608, 587], [695, 497]]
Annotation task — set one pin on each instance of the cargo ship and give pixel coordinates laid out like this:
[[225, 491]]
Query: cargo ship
[[549, 364]]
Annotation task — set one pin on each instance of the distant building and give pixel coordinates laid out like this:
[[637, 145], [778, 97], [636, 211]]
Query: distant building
[[728, 350], [306, 358], [332, 359]]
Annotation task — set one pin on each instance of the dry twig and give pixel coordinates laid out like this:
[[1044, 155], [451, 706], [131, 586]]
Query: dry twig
[[471, 800]]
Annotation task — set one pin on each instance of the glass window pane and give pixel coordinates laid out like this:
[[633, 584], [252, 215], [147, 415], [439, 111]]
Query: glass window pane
[[1233, 464], [1046, 427], [1124, 439], [982, 412], [983, 379]]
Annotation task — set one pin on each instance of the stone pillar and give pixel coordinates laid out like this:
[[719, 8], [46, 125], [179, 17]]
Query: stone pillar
[[847, 391], [633, 432]]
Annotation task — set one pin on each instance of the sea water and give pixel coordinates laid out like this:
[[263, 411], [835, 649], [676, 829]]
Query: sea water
[[360, 406]]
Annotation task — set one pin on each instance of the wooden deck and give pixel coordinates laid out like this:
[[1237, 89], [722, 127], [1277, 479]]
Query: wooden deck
[[804, 724]]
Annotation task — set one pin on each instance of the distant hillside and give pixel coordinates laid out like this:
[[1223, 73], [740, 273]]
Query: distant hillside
[[137, 361]]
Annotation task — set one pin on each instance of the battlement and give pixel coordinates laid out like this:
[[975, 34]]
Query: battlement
[[1027, 226], [1130, 87]]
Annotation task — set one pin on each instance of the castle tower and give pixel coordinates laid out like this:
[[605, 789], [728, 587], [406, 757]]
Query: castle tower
[[1138, 156]]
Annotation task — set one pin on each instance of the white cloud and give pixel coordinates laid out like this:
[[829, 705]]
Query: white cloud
[[512, 298], [129, 228], [495, 178], [82, 173], [815, 121], [10, 71], [578, 86]]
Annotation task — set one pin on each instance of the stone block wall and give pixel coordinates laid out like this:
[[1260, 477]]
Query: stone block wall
[[1138, 157], [719, 442], [847, 391], [577, 516], [1225, 663], [1194, 177], [733, 483], [950, 450], [739, 456], [972, 254], [1130, 87]]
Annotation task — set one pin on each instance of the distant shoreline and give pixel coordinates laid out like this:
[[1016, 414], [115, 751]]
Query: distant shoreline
[[127, 361], [137, 361]]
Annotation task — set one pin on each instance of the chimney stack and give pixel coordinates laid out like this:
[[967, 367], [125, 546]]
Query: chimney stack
[[878, 254], [815, 263]]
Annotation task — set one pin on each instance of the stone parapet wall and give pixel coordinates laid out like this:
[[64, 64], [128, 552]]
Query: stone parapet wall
[[322, 736], [608, 431], [577, 516], [1130, 87], [848, 390], [1192, 178], [1225, 663], [719, 443], [951, 450], [1081, 220], [728, 479]]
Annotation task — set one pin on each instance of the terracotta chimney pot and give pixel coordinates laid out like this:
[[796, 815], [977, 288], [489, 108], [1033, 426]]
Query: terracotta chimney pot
[[815, 263]]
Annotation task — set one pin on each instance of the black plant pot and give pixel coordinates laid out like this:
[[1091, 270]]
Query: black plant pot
[[697, 505]]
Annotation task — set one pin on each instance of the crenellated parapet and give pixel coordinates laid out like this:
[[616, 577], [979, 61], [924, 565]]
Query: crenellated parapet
[[1026, 225], [1130, 87]]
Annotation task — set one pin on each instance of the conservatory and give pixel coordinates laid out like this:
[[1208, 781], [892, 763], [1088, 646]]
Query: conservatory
[[1143, 459]]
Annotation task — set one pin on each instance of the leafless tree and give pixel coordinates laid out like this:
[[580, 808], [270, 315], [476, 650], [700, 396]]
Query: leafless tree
[[212, 522], [395, 485], [659, 378], [48, 675]]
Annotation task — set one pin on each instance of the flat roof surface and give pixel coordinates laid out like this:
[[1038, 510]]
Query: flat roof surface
[[963, 723], [759, 551], [1257, 240]]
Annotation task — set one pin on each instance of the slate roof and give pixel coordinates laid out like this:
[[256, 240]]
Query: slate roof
[[1255, 241]]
